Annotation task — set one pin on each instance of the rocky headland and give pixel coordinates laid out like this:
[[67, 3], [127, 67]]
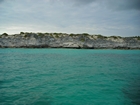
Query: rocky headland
[[63, 40]]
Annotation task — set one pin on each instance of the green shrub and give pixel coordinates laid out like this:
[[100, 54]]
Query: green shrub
[[55, 33], [57, 36], [78, 34], [100, 36], [21, 33], [46, 33], [51, 34], [5, 34], [40, 34], [60, 33], [25, 35], [119, 36], [85, 34], [115, 37], [137, 37], [72, 34]]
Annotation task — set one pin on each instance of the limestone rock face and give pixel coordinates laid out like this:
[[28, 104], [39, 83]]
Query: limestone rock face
[[35, 40]]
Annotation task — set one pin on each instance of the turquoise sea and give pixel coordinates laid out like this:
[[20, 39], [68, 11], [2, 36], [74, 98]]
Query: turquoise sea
[[69, 77]]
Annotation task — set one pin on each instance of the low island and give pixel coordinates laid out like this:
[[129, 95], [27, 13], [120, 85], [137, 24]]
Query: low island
[[63, 40]]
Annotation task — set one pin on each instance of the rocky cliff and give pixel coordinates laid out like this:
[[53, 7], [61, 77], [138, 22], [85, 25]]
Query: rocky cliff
[[62, 40]]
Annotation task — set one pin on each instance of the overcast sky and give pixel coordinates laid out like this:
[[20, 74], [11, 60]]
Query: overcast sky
[[106, 17]]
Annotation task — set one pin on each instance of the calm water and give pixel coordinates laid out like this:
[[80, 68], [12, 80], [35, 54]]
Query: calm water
[[69, 77]]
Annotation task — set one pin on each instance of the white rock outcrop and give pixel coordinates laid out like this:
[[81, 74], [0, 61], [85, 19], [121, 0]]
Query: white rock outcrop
[[35, 40]]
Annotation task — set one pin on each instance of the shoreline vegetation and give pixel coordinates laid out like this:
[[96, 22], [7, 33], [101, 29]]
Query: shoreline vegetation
[[64, 40]]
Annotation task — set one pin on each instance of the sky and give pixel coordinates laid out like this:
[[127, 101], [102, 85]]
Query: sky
[[105, 17]]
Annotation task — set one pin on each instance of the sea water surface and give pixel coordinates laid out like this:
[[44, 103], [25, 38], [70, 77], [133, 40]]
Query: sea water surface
[[69, 77]]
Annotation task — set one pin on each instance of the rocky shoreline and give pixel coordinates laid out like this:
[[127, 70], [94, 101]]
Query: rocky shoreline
[[63, 40]]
